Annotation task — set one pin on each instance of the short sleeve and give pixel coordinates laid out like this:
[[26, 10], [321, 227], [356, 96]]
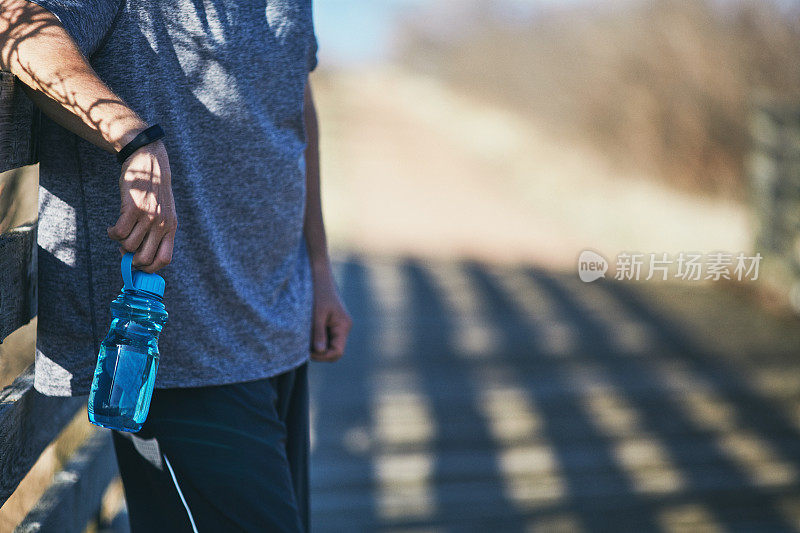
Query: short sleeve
[[312, 53], [87, 21], [311, 57]]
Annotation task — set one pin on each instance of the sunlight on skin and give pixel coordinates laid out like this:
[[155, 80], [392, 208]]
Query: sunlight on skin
[[59, 80], [62, 79]]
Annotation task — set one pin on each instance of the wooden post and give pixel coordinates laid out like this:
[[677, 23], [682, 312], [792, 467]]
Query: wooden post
[[29, 421], [774, 167]]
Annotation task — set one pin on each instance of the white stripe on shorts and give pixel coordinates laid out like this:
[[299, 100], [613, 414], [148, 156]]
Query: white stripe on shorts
[[180, 493]]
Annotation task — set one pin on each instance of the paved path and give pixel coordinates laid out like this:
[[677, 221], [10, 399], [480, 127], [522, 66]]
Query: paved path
[[519, 399]]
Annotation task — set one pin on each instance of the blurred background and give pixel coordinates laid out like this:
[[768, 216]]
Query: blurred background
[[470, 151]]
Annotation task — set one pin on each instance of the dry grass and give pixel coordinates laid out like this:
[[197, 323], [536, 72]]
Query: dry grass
[[413, 167], [660, 86]]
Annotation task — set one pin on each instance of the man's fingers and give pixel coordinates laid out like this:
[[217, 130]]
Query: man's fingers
[[320, 333], [132, 242], [147, 223], [337, 332], [123, 227], [338, 339], [144, 256], [164, 254]]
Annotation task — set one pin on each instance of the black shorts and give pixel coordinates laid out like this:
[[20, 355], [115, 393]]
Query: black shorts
[[220, 458]]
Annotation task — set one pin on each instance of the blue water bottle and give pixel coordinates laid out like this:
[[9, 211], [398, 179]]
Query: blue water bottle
[[128, 359]]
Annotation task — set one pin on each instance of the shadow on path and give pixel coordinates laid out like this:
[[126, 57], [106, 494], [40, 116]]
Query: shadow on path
[[664, 469]]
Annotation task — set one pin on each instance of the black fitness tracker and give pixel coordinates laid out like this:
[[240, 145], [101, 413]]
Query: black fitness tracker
[[150, 135]]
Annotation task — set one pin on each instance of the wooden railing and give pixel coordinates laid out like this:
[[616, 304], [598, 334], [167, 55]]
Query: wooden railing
[[30, 421], [775, 181]]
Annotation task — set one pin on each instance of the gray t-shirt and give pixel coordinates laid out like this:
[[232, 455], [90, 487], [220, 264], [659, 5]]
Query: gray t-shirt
[[225, 79]]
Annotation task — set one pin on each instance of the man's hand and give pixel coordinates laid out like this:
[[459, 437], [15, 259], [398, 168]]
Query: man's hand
[[147, 221], [36, 48], [331, 322]]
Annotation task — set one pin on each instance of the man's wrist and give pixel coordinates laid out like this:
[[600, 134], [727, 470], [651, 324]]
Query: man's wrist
[[126, 133], [320, 265], [149, 136]]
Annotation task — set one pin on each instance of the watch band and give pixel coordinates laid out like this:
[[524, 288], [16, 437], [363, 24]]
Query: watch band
[[150, 135]]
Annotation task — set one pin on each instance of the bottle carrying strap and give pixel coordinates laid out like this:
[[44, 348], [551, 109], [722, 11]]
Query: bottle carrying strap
[[127, 271]]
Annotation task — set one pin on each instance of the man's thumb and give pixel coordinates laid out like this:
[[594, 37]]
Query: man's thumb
[[320, 336]]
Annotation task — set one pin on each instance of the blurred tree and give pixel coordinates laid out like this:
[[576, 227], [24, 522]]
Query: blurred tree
[[663, 87]]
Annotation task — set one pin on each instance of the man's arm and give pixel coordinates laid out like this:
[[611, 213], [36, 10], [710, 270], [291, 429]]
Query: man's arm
[[36, 48], [331, 322]]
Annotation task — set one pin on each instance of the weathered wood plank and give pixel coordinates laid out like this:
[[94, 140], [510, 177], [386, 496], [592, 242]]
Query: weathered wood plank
[[74, 497], [29, 421], [118, 524], [595, 492], [534, 467], [17, 123], [18, 273], [19, 196]]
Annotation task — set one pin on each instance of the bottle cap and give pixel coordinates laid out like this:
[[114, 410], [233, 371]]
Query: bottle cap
[[138, 280]]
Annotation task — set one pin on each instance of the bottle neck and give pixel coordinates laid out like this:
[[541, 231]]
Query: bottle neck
[[143, 294], [139, 304]]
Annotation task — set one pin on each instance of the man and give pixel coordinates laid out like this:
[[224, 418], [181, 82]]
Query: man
[[249, 286]]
